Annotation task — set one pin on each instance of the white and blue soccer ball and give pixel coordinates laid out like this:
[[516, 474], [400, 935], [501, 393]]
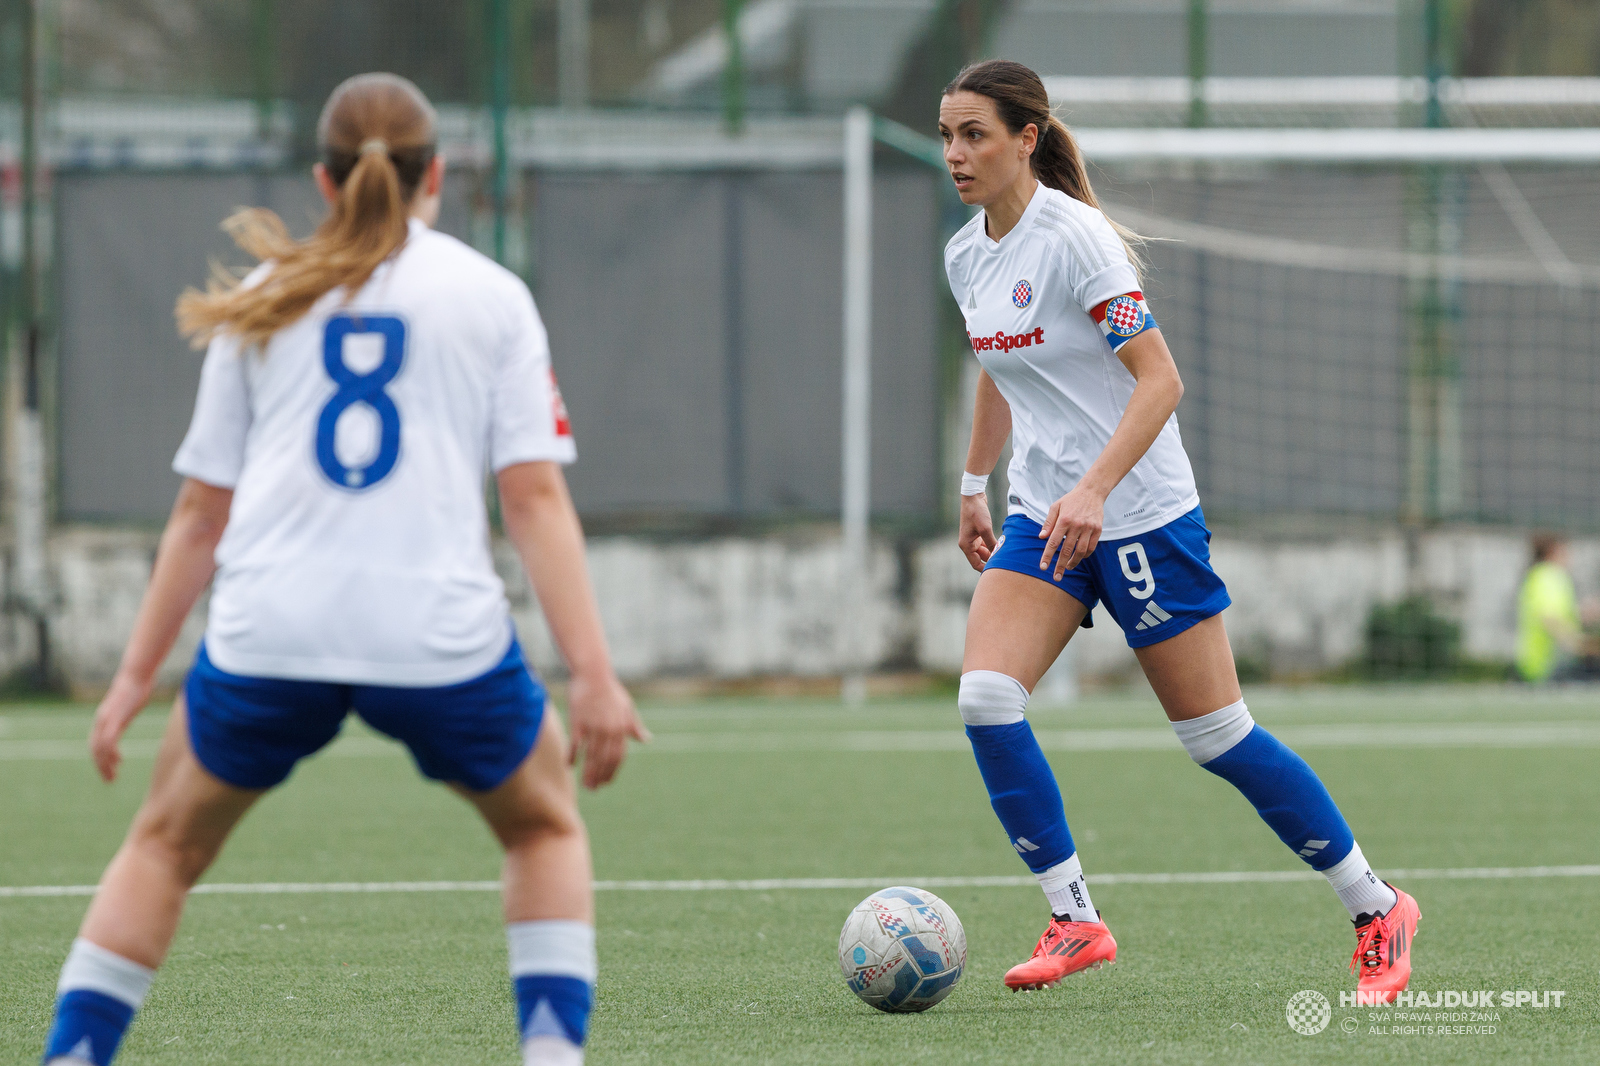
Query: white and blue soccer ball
[[902, 950]]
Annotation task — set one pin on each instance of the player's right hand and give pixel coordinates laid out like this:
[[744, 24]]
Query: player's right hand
[[122, 703], [976, 537], [602, 717]]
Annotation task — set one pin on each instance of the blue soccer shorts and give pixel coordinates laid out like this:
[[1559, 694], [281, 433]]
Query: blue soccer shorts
[[1155, 585], [250, 731]]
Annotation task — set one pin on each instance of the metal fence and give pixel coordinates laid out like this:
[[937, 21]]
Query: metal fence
[[694, 320], [1349, 347]]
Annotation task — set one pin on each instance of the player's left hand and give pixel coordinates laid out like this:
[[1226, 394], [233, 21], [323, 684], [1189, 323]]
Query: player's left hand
[[122, 703], [602, 717], [1073, 526]]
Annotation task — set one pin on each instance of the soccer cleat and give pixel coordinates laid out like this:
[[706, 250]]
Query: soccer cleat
[[1383, 948], [1065, 949]]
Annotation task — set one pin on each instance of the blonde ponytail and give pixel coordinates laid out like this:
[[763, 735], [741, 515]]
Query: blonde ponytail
[[377, 132]]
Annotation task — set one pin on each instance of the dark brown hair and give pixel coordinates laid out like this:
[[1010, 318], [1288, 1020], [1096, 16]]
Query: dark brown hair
[[1545, 545], [1020, 99], [377, 134]]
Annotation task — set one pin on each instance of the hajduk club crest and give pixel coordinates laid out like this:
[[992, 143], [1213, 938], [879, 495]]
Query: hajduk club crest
[[1022, 294], [1124, 316]]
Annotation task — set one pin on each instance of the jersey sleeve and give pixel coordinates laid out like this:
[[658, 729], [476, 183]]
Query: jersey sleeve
[[213, 449], [1097, 265], [957, 290], [530, 422]]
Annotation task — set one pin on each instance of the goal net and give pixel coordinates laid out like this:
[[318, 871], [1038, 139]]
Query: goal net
[[1388, 338]]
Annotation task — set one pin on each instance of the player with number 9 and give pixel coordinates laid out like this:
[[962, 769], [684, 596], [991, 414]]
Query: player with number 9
[[1103, 509], [356, 388]]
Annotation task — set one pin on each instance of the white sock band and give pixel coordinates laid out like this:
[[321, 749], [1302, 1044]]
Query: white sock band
[[91, 968], [558, 948], [990, 698], [1359, 889], [1067, 891], [1210, 735], [551, 1051]]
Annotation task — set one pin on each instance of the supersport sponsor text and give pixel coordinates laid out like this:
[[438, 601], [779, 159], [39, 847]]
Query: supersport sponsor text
[[1004, 342]]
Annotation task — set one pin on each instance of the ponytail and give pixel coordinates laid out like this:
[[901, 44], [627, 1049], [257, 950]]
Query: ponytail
[[1058, 164], [1020, 99], [377, 132]]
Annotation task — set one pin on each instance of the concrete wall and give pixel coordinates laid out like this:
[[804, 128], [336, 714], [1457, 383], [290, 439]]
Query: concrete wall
[[733, 608]]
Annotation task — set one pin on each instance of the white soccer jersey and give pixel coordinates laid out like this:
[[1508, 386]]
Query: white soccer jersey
[[1029, 300], [357, 445]]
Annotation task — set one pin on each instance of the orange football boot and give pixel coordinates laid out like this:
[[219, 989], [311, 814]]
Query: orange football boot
[[1065, 949], [1383, 949]]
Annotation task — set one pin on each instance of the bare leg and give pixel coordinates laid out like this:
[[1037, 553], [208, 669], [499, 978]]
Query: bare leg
[[534, 814], [176, 835], [1192, 674], [549, 899], [1018, 625]]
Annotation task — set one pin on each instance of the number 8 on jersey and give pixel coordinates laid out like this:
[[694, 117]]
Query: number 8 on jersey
[[358, 388]]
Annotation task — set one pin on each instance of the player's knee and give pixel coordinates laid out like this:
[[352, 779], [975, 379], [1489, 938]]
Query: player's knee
[[165, 842], [541, 828], [987, 697], [1211, 735], [545, 811]]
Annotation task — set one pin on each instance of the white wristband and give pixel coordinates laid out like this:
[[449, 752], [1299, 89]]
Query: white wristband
[[973, 484]]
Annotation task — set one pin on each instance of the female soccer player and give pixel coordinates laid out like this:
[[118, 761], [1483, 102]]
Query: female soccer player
[[357, 387], [1103, 508]]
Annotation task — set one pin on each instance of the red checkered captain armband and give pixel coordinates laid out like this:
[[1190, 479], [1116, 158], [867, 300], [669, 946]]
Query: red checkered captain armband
[[1123, 317]]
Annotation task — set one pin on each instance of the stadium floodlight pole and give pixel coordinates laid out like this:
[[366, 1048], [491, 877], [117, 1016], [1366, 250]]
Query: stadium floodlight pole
[[857, 439], [28, 510], [1199, 42], [1434, 208], [500, 103], [733, 68], [572, 44], [261, 63]]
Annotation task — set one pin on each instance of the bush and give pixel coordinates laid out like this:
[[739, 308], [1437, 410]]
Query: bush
[[1409, 639]]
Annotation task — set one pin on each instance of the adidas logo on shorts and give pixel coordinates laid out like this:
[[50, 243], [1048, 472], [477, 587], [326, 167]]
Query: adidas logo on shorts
[[1152, 617]]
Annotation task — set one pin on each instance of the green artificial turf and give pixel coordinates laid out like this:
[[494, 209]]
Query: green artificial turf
[[738, 789]]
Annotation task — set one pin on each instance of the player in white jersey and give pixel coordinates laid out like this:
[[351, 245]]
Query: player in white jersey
[[1102, 509], [357, 388]]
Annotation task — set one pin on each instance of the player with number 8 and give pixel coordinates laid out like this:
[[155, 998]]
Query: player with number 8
[[357, 387], [1103, 509]]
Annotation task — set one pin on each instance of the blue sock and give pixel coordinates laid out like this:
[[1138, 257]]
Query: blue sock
[[552, 974], [1022, 788], [552, 1005], [98, 996], [1283, 789]]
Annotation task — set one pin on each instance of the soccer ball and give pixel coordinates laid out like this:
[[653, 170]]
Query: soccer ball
[[902, 950]]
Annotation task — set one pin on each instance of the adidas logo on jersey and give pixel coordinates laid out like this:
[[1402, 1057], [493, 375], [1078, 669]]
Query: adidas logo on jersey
[[1152, 617], [1004, 342]]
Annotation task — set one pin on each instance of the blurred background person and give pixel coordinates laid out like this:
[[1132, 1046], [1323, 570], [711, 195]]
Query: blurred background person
[[1551, 643]]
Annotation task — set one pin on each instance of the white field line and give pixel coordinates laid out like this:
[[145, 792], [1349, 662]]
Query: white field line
[[1345, 735], [1464, 873]]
